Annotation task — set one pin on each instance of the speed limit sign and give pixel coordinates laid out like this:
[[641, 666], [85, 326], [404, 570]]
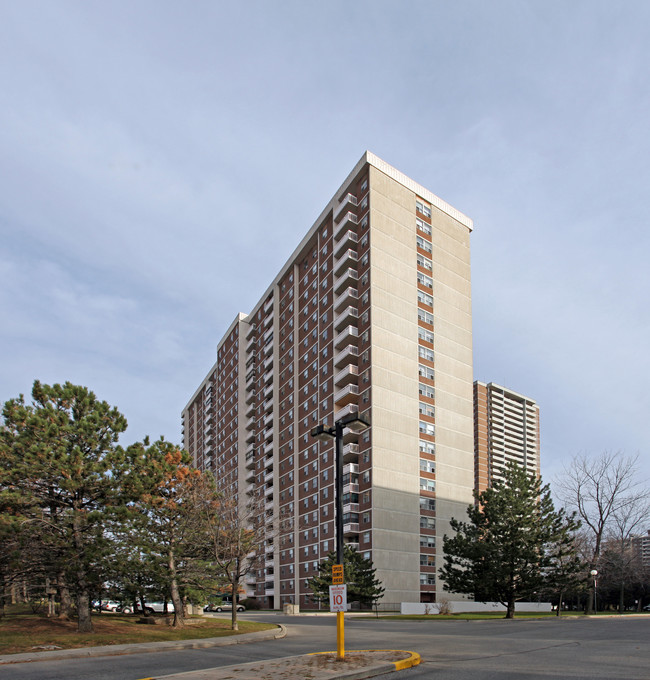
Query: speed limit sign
[[338, 598]]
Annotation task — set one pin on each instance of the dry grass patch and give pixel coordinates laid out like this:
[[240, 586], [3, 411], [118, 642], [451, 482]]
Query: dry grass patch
[[25, 633]]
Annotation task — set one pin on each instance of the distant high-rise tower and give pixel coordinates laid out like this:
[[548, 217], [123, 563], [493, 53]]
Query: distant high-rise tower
[[506, 429], [371, 314]]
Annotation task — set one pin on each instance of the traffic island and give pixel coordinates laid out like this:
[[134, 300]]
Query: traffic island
[[355, 665]]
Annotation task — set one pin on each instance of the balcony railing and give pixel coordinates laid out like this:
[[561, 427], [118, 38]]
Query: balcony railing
[[346, 395], [347, 278], [346, 355], [347, 201], [348, 240], [348, 221], [349, 296], [348, 316], [349, 374], [350, 528], [346, 336]]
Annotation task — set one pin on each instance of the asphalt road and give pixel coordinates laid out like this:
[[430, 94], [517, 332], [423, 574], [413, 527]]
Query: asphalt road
[[612, 648]]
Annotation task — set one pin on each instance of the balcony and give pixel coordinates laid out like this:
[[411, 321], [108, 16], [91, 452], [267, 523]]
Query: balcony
[[348, 316], [351, 528], [268, 391], [348, 354], [346, 336], [351, 507], [349, 240], [250, 460], [250, 476], [348, 221], [250, 393], [352, 544], [268, 419], [268, 321], [250, 344], [348, 258], [352, 487], [346, 395], [268, 363], [349, 296], [351, 469], [267, 305], [346, 279], [350, 453], [268, 477], [268, 405], [349, 374], [346, 202], [268, 447]]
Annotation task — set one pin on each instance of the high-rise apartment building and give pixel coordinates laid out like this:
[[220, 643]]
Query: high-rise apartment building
[[506, 429], [371, 313], [641, 544]]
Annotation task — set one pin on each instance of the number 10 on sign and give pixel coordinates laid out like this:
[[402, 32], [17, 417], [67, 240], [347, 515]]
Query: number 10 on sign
[[338, 598]]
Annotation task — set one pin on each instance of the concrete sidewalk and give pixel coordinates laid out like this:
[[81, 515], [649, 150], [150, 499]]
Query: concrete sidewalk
[[323, 666]]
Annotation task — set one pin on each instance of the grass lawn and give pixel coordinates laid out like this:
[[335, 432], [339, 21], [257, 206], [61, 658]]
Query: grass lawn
[[24, 632]]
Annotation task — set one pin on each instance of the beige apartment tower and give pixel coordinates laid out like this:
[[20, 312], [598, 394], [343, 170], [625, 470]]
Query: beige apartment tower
[[371, 314], [506, 429]]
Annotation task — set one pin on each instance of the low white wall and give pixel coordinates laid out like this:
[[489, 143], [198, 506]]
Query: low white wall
[[467, 606]]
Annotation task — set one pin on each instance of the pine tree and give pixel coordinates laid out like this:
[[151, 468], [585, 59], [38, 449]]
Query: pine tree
[[358, 575], [504, 553], [60, 454]]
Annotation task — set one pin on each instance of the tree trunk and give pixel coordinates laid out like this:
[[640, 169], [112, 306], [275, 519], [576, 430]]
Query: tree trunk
[[84, 622], [510, 610], [179, 620], [559, 604], [233, 619], [65, 609], [621, 598]]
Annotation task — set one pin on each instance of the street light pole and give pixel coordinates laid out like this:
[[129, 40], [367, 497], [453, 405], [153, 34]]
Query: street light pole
[[356, 424], [594, 573]]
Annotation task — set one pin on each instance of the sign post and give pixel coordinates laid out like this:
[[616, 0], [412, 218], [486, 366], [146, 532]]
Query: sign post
[[338, 604]]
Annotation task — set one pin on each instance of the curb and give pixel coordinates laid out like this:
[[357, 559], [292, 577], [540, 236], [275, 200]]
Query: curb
[[298, 667], [412, 660], [144, 647]]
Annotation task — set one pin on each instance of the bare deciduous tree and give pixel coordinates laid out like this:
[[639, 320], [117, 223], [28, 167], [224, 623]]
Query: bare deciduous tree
[[610, 497]]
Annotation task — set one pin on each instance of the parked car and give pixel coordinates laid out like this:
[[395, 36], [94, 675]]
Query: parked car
[[150, 608], [225, 607], [110, 606]]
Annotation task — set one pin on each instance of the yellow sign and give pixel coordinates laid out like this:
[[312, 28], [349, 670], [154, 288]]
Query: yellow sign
[[337, 574]]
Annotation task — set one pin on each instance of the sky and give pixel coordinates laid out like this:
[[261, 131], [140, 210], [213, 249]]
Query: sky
[[160, 161]]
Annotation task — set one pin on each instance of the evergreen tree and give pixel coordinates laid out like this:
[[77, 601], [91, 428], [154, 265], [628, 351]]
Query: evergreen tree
[[60, 455], [504, 553], [164, 522], [358, 575]]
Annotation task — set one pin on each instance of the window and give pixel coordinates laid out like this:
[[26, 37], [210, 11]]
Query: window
[[423, 244], [422, 208], [423, 226], [426, 335], [427, 541], [426, 372], [425, 280], [424, 262], [427, 465], [425, 299], [427, 522], [425, 317], [366, 537], [427, 428], [426, 353], [426, 410], [427, 485]]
